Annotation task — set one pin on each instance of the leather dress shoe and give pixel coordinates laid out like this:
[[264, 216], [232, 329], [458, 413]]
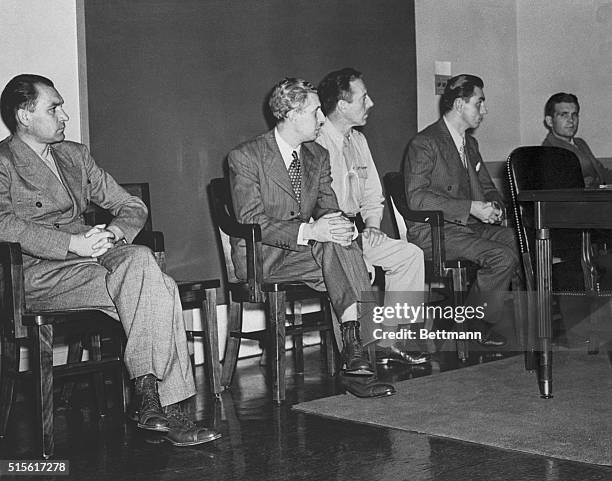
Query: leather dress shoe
[[149, 415], [492, 339], [367, 387], [394, 353], [183, 431], [356, 362]]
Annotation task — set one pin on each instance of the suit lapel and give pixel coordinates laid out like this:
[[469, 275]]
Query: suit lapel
[[274, 166], [70, 177], [32, 169], [472, 157], [310, 175], [450, 151]]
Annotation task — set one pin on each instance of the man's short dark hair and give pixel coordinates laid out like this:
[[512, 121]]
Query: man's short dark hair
[[336, 86], [558, 98], [459, 86], [20, 93]]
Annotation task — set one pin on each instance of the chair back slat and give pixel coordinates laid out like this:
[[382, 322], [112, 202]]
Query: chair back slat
[[227, 225], [12, 300], [222, 215], [538, 168], [395, 194]]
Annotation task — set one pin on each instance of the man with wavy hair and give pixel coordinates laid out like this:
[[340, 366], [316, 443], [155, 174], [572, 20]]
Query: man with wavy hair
[[281, 181]]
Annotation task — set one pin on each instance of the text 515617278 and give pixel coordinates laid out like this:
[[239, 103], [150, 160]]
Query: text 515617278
[[33, 467]]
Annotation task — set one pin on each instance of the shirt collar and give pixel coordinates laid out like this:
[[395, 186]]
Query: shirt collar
[[334, 134], [285, 149], [457, 137]]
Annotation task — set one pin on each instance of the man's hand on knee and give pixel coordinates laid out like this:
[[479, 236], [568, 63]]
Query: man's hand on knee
[[332, 227], [93, 243]]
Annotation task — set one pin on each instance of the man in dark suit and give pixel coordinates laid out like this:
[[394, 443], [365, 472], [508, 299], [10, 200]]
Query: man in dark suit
[[281, 181], [561, 116], [46, 183], [444, 171]]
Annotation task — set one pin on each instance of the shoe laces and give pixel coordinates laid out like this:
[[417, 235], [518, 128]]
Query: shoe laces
[[178, 419], [150, 400]]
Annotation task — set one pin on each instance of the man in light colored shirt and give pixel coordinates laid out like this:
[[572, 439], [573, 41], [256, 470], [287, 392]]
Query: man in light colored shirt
[[443, 170], [346, 103], [281, 181], [561, 117]]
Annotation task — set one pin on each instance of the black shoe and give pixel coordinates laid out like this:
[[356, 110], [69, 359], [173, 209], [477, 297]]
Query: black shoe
[[354, 355], [367, 387], [183, 431], [150, 415], [394, 353], [491, 338]]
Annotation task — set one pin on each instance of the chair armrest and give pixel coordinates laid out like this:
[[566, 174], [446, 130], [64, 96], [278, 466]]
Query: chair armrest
[[435, 219], [251, 233]]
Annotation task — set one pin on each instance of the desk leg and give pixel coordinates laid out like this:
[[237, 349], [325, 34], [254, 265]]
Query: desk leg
[[544, 271]]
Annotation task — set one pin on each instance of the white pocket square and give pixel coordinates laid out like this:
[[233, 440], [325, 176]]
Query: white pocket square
[[478, 165]]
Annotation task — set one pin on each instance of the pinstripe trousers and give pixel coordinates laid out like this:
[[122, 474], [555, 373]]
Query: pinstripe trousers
[[339, 270]]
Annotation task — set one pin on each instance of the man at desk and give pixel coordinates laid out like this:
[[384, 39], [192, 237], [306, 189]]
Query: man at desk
[[443, 170], [281, 181], [46, 183], [561, 116], [346, 103]]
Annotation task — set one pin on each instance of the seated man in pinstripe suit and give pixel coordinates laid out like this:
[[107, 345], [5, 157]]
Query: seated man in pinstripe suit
[[281, 180], [444, 171]]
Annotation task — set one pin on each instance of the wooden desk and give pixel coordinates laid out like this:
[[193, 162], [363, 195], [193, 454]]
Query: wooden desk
[[568, 209]]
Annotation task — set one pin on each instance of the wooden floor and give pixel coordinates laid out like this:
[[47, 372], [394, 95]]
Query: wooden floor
[[264, 442]]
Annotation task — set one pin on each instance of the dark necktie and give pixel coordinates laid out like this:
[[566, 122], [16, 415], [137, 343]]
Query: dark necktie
[[295, 175]]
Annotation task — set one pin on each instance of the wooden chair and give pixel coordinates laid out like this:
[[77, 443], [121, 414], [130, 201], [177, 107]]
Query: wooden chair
[[36, 330], [198, 294], [275, 295], [540, 168], [455, 275]]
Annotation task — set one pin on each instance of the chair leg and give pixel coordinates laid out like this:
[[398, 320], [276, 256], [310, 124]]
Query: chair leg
[[75, 354], [328, 341], [276, 317], [123, 380], [42, 369], [98, 377], [9, 367], [298, 339], [211, 339], [459, 289], [232, 346]]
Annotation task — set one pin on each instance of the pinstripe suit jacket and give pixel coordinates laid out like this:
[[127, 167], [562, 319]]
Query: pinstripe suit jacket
[[40, 213], [262, 194], [435, 178]]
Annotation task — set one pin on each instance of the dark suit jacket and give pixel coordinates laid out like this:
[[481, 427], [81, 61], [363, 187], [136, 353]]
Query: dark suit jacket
[[435, 178], [40, 213], [262, 194]]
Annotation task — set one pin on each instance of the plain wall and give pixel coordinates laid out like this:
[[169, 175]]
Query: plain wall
[[525, 51], [42, 40], [477, 37], [175, 85], [566, 46]]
